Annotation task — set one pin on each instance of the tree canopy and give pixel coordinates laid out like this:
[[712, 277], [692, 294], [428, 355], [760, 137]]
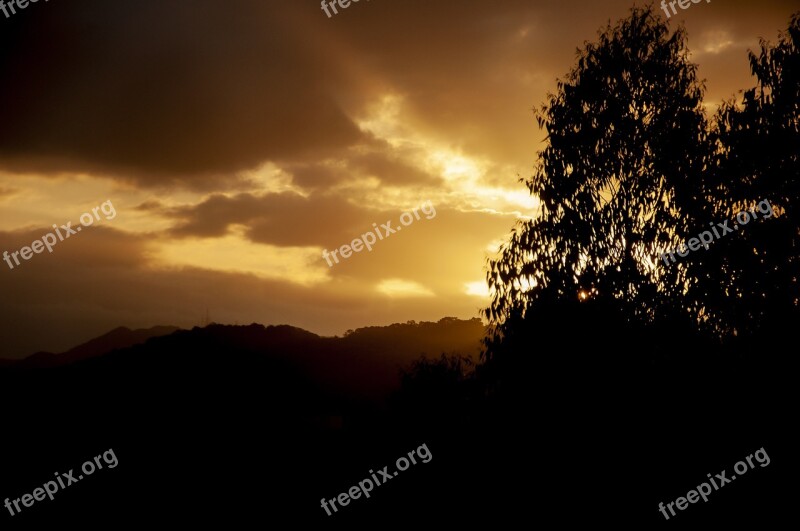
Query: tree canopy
[[632, 168]]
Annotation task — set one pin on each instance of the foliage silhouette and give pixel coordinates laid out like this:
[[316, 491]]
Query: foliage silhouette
[[632, 168], [614, 356], [748, 284], [626, 138]]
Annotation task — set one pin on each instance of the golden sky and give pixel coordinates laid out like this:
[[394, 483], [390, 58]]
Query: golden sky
[[238, 140]]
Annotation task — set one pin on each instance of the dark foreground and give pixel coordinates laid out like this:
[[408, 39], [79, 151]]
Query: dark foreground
[[208, 429]]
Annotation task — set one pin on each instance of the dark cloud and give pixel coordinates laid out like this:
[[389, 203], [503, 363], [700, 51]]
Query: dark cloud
[[390, 169], [315, 175], [285, 219], [164, 92], [151, 205], [189, 93], [384, 164], [95, 247]]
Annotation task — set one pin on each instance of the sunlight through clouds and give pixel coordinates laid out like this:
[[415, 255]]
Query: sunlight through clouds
[[399, 288], [465, 177], [714, 42], [234, 253], [479, 288]]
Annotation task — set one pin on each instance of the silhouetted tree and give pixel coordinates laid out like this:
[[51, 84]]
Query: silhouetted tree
[[437, 392], [750, 279], [626, 141]]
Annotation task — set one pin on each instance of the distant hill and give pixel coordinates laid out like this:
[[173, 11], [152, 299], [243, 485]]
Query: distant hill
[[216, 407], [118, 338], [365, 362]]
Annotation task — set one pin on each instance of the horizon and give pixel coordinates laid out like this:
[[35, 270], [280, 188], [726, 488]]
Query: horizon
[[83, 342], [228, 199]]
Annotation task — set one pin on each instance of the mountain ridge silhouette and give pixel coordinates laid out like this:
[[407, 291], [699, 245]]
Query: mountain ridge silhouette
[[183, 408], [119, 337], [365, 363]]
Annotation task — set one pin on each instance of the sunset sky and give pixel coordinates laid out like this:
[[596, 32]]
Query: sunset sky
[[238, 139]]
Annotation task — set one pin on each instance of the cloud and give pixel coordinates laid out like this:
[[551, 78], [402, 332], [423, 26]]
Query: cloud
[[165, 93], [5, 193], [399, 288], [194, 93], [105, 278], [284, 219], [376, 160], [390, 168]]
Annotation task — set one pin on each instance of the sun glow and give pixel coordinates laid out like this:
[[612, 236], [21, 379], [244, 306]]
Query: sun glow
[[399, 288]]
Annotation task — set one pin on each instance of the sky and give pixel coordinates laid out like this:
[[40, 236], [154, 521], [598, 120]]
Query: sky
[[238, 140]]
